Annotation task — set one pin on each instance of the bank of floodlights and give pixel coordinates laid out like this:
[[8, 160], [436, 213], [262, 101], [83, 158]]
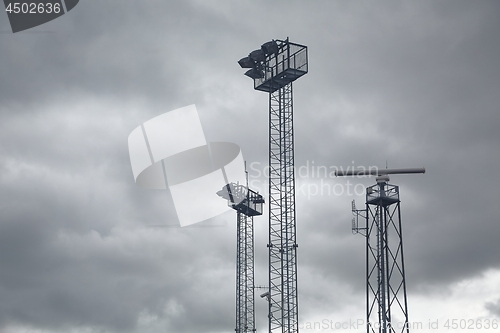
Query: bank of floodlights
[[256, 60]]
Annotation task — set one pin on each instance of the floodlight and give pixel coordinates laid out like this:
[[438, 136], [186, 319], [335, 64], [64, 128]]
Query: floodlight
[[270, 47], [257, 55], [224, 193], [246, 62], [255, 73]]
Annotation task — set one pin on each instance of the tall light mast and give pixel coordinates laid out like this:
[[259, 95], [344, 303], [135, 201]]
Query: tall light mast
[[386, 301], [247, 204], [273, 68]]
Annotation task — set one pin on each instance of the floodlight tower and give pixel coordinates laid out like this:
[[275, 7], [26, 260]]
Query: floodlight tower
[[273, 68], [248, 204], [386, 302]]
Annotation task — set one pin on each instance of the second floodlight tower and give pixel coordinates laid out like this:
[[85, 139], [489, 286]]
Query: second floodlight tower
[[273, 68], [247, 204]]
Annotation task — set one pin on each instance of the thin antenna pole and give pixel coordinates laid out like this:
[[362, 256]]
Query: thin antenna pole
[[246, 173]]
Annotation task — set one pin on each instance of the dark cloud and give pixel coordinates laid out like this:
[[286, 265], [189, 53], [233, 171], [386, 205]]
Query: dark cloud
[[408, 84], [493, 308]]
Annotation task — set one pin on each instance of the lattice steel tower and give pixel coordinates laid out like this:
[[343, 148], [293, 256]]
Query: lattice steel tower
[[386, 301], [248, 204], [273, 68]]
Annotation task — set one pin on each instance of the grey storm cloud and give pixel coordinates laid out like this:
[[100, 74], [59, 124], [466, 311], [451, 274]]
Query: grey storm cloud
[[83, 249]]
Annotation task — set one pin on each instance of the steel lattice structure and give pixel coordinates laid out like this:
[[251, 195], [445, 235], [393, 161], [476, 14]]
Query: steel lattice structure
[[273, 68], [386, 299], [283, 304], [248, 204], [245, 298]]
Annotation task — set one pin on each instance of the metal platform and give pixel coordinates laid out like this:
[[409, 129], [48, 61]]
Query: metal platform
[[382, 194], [242, 199], [286, 66]]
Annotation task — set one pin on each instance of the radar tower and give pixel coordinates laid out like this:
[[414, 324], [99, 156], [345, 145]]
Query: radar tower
[[386, 301]]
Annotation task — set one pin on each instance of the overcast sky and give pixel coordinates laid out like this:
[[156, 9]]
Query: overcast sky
[[83, 249]]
